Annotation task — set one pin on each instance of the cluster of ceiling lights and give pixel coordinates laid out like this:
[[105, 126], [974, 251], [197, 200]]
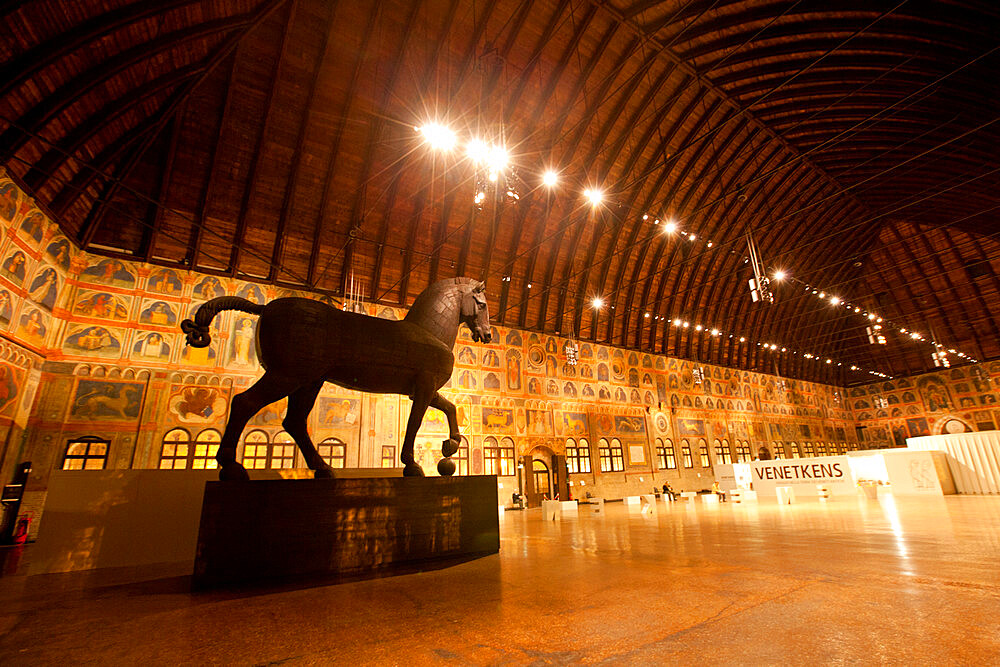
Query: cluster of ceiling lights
[[494, 160], [877, 324], [770, 347]]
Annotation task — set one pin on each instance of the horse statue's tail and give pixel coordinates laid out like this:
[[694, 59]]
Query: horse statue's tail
[[197, 331]]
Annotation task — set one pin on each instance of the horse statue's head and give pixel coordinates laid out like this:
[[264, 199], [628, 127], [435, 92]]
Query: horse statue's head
[[475, 313]]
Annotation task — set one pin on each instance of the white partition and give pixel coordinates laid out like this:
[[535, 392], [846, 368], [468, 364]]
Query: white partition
[[974, 458]]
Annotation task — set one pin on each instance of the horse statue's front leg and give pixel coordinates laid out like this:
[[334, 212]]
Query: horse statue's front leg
[[421, 399], [446, 466]]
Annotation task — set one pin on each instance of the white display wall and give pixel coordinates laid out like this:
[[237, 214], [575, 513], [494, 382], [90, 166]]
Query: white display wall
[[974, 458]]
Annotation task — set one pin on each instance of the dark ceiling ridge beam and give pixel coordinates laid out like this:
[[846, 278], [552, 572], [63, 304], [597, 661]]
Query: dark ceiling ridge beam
[[745, 139], [31, 122], [67, 147], [681, 177], [30, 62], [201, 213], [154, 212], [704, 81], [677, 181], [253, 172], [155, 123], [662, 145], [331, 166], [292, 184], [441, 233]]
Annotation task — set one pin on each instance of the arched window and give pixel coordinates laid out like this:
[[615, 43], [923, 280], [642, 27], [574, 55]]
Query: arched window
[[604, 454], [491, 456], [706, 462], [283, 451], [174, 450], [820, 449], [499, 458], [617, 455], [727, 453], [334, 452], [577, 456], [206, 446], [461, 457], [388, 459], [686, 453], [808, 449], [794, 449], [661, 455], [722, 453], [255, 447], [777, 450], [668, 449], [507, 467], [86, 453]]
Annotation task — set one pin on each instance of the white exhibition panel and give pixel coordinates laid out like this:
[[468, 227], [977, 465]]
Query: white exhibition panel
[[974, 458], [802, 475], [917, 473]]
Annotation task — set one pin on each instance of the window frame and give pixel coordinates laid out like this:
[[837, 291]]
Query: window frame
[[86, 457], [686, 457]]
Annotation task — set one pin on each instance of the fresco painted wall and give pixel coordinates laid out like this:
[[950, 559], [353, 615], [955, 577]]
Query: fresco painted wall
[[101, 337], [956, 400]]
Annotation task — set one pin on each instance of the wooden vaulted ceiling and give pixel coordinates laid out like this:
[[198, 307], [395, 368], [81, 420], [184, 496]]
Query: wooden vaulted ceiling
[[275, 140]]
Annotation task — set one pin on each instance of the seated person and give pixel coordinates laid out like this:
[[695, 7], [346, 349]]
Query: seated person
[[719, 492]]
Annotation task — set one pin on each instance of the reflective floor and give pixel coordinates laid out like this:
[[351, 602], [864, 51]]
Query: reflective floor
[[850, 581]]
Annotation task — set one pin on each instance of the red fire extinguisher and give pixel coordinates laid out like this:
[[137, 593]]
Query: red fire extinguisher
[[21, 531]]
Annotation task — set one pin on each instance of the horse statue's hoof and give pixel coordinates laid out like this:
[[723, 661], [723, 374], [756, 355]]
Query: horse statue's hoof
[[233, 472], [449, 447], [446, 467], [326, 472], [413, 470]]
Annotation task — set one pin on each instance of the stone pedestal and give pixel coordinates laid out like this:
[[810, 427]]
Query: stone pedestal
[[326, 530]]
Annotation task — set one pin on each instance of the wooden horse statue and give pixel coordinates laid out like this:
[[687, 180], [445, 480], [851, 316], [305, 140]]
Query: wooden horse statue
[[303, 343]]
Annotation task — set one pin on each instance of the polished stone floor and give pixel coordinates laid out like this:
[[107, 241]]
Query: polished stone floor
[[904, 581]]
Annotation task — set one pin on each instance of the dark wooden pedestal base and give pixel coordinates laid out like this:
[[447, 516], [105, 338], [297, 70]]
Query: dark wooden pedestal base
[[325, 530]]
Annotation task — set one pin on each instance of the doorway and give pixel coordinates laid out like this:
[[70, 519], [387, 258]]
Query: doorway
[[540, 477]]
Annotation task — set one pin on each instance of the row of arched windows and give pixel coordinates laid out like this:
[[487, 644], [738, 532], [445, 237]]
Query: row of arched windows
[[182, 451], [259, 452]]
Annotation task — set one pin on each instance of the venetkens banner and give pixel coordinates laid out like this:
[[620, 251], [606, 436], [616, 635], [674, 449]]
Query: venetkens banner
[[804, 475]]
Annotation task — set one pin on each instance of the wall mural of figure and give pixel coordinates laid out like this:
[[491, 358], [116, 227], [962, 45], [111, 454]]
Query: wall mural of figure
[[165, 281], [491, 359], [102, 305], [159, 313], [491, 381], [93, 340], [33, 224], [251, 293], [6, 308], [242, 348], [151, 347], [9, 377], [58, 252], [15, 267], [109, 272], [32, 327], [10, 197], [513, 373], [207, 288]]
